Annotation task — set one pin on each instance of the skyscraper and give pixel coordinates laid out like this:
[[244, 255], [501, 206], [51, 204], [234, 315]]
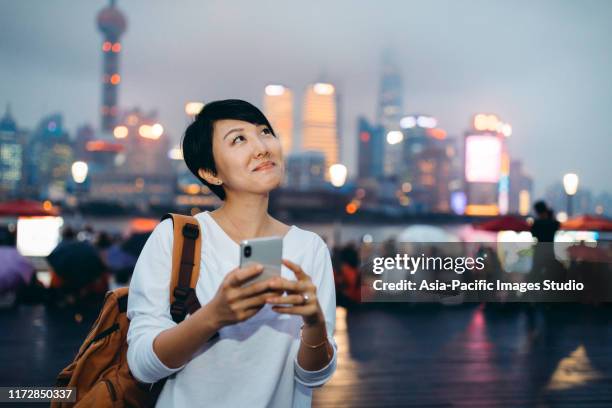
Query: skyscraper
[[426, 164], [11, 156], [520, 189], [320, 122], [50, 155], [112, 24], [146, 143], [486, 166], [278, 108], [305, 170], [390, 109], [370, 150], [141, 172], [390, 100]]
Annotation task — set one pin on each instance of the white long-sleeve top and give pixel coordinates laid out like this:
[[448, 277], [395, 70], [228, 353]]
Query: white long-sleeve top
[[252, 363]]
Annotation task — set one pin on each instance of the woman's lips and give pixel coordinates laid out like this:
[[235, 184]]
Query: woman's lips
[[265, 166]]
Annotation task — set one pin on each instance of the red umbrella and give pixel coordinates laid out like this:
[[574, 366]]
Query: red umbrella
[[588, 223], [141, 225], [27, 208], [504, 223]]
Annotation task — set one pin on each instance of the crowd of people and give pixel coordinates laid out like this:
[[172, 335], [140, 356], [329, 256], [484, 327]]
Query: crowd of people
[[87, 263], [82, 267], [580, 263]]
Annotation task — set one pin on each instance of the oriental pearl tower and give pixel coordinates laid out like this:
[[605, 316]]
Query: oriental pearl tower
[[112, 24]]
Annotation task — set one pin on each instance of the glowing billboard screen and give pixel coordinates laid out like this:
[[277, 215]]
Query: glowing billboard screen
[[38, 236], [482, 159]]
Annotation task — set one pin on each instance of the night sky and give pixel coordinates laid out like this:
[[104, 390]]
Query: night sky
[[544, 66]]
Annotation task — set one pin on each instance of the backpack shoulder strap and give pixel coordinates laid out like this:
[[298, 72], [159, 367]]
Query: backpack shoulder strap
[[186, 251]]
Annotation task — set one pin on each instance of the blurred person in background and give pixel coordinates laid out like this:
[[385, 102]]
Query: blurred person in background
[[543, 230], [545, 265], [545, 225], [347, 276], [16, 272], [79, 275]]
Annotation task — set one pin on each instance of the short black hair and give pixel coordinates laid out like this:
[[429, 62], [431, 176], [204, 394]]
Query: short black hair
[[198, 138]]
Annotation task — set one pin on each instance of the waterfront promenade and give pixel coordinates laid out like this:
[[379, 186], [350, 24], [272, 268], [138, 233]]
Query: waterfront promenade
[[398, 355]]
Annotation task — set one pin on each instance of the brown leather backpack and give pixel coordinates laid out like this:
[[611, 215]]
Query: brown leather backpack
[[100, 370]]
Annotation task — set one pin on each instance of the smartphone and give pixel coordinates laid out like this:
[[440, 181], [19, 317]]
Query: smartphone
[[266, 251]]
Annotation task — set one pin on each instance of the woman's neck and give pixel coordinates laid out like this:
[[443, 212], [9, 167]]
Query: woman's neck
[[248, 214]]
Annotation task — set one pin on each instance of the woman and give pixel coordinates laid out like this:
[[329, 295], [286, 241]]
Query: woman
[[275, 337]]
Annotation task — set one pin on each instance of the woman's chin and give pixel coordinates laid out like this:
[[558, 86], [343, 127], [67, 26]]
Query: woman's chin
[[271, 186], [270, 180], [263, 187]]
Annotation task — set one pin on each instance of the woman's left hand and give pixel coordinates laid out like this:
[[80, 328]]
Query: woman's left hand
[[301, 298]]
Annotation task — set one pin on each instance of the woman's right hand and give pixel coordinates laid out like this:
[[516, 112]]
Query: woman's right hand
[[232, 303]]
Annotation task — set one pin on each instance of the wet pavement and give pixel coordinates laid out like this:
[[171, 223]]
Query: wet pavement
[[471, 356], [397, 355]]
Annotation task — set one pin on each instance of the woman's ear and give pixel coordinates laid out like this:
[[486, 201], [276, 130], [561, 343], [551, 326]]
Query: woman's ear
[[209, 177]]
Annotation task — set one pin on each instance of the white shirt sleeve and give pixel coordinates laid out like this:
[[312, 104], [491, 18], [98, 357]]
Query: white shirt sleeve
[[323, 278], [149, 305]]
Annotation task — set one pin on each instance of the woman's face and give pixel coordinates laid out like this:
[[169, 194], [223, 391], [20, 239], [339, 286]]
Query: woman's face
[[248, 157]]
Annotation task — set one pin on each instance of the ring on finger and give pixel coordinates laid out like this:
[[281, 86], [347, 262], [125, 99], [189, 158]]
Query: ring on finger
[[306, 298]]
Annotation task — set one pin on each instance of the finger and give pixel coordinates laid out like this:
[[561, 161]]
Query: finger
[[241, 275], [290, 299], [254, 289], [248, 313], [287, 285], [250, 302], [297, 269], [294, 286], [293, 310]]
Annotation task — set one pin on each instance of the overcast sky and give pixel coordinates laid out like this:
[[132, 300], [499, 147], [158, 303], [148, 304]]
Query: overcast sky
[[544, 66]]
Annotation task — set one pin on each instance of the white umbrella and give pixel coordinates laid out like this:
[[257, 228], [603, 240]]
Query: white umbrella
[[426, 233]]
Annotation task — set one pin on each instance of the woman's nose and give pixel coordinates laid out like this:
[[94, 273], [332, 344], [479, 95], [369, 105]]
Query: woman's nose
[[260, 148]]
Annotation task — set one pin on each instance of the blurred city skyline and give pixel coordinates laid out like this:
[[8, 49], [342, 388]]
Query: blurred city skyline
[[543, 67]]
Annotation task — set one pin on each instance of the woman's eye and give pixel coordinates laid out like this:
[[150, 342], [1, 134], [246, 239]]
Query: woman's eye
[[238, 138], [266, 131]]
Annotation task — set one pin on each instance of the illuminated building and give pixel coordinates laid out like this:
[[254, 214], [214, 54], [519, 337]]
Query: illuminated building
[[305, 171], [320, 122], [390, 100], [487, 166], [278, 108], [11, 156], [112, 24], [145, 142], [425, 171], [50, 155], [103, 155], [141, 172], [126, 189], [390, 109], [521, 189], [371, 144], [84, 134]]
